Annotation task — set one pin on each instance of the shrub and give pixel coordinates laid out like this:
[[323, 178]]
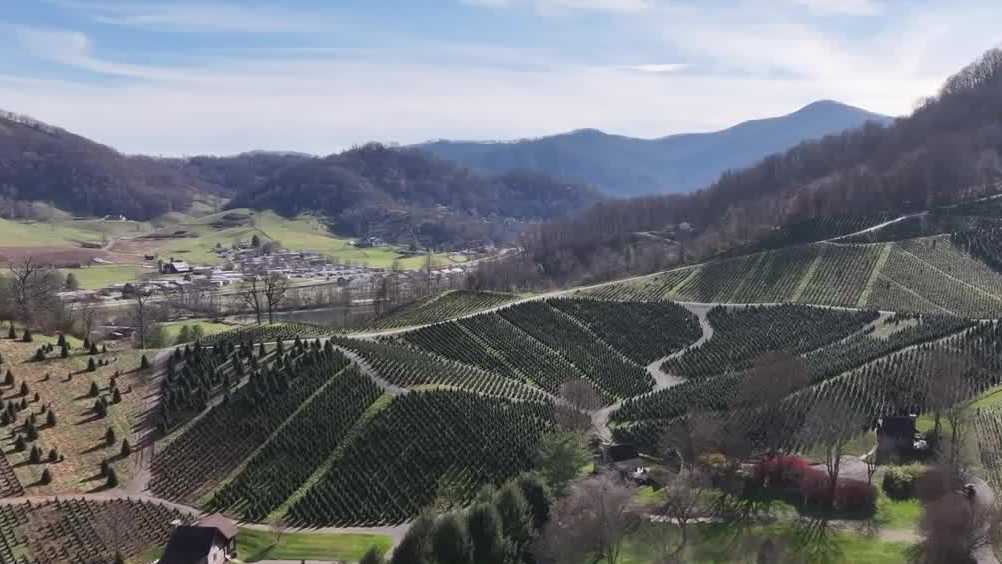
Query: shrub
[[814, 487], [855, 496], [780, 471], [899, 481]]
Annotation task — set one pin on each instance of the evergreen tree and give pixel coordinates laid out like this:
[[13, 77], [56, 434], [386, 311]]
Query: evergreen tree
[[104, 468], [93, 349], [10, 333], [126, 448], [372, 556], [53, 455], [39, 355], [91, 365], [24, 389], [30, 431], [516, 521], [35, 457], [451, 542], [64, 351], [109, 437], [9, 379], [112, 481], [484, 526], [19, 444], [538, 496], [415, 547], [50, 419], [144, 363], [116, 396], [27, 338], [62, 340], [46, 477], [71, 283], [94, 391], [184, 335], [86, 343]]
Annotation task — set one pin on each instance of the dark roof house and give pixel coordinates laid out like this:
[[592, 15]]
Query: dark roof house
[[210, 541]]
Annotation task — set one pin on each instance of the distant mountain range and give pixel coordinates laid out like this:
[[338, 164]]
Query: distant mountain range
[[399, 195], [625, 166]]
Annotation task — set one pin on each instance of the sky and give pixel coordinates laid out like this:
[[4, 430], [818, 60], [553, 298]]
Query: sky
[[185, 77]]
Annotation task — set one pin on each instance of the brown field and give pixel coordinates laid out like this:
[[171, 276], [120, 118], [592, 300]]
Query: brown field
[[57, 255], [63, 385]]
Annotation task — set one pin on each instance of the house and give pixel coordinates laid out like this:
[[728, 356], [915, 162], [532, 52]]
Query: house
[[211, 540], [896, 435], [175, 267]]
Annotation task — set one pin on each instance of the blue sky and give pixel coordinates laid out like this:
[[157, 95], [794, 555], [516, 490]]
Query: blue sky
[[189, 76]]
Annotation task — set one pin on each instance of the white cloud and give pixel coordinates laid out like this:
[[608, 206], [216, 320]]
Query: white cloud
[[202, 16], [661, 68], [559, 6], [844, 7], [739, 63]]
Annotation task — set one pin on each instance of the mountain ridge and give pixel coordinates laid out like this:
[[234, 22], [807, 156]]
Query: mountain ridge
[[619, 165]]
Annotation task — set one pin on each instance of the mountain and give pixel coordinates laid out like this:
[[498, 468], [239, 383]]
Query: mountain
[[949, 150], [407, 195], [39, 162], [625, 166]]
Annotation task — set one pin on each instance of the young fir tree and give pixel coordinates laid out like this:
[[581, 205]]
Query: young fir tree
[[112, 481], [126, 448], [46, 477], [109, 437], [94, 391]]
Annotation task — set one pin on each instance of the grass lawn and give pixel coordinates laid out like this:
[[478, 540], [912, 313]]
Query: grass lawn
[[172, 329], [39, 234], [724, 544], [897, 513], [95, 277], [254, 545]]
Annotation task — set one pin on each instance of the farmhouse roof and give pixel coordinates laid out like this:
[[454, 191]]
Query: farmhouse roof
[[190, 545], [225, 526]]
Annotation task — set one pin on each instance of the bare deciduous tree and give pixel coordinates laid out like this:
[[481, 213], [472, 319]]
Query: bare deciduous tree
[[33, 287], [589, 524], [774, 376], [579, 397], [682, 503], [278, 526], [275, 288], [251, 295]]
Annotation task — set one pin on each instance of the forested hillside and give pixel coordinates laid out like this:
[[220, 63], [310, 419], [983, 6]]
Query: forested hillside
[[401, 195], [949, 149], [43, 163]]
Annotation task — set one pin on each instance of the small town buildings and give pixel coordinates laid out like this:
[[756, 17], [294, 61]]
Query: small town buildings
[[211, 540], [175, 267]]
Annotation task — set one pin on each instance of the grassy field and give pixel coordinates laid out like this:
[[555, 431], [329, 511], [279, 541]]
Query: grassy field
[[172, 329], [63, 385], [724, 544], [37, 234], [254, 545], [95, 277]]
